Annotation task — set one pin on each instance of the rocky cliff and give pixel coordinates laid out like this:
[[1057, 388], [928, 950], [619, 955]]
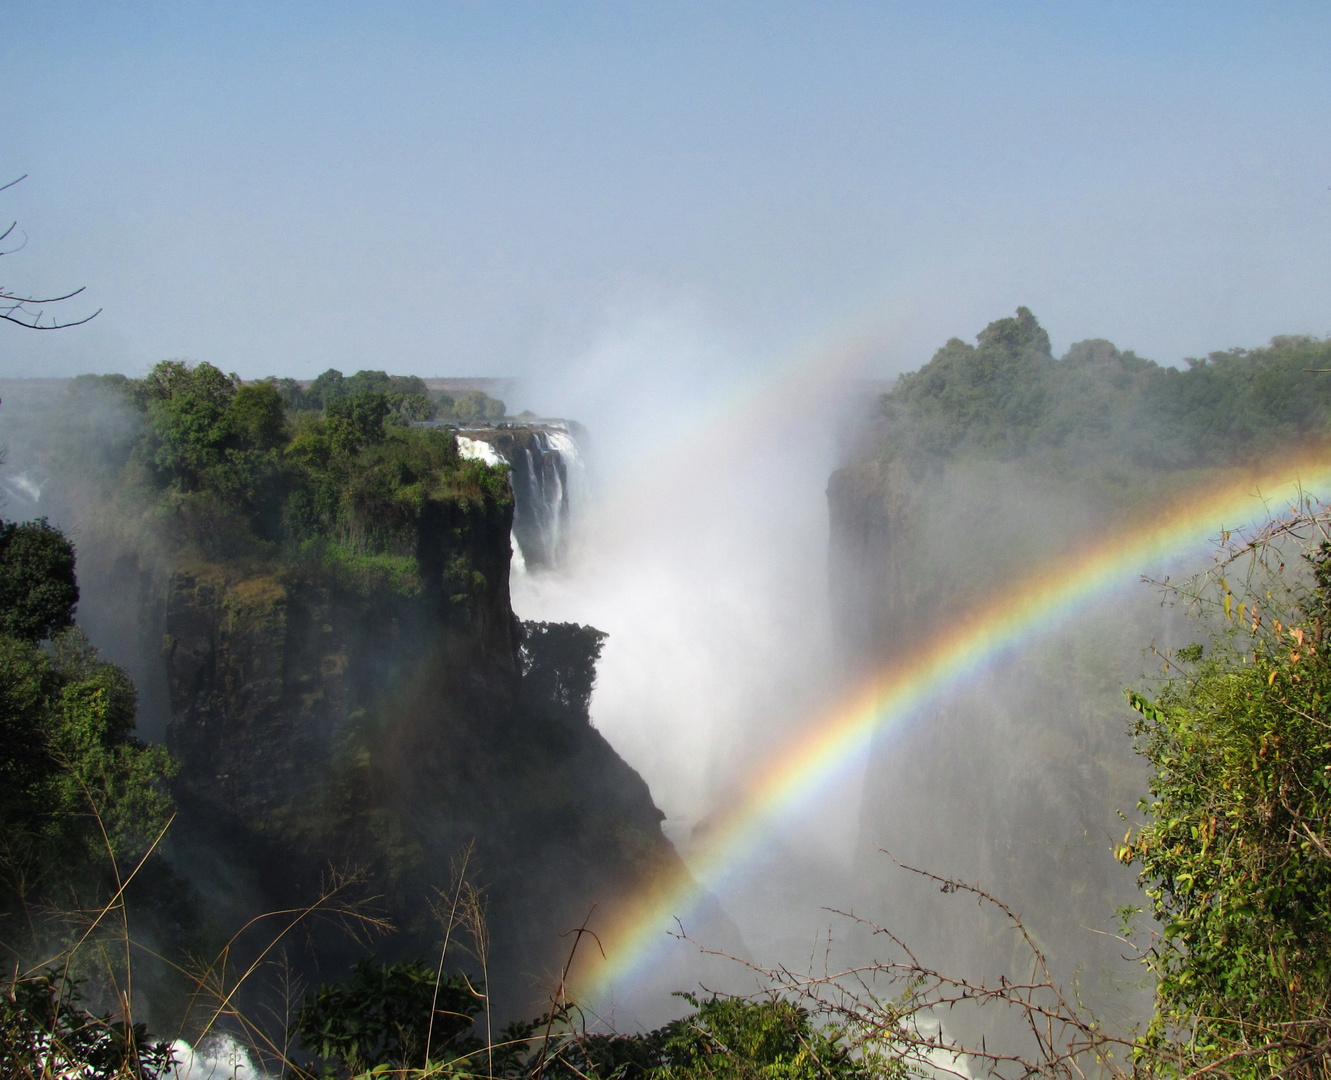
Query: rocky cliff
[[322, 723], [970, 475], [316, 610]]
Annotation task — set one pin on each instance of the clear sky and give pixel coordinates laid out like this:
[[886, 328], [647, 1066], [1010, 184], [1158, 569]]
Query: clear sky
[[493, 187]]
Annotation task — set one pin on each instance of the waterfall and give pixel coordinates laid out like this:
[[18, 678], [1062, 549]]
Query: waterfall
[[479, 450], [549, 482], [549, 479]]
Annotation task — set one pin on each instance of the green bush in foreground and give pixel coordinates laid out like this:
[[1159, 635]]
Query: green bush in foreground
[[378, 1022], [1236, 856], [45, 1033]]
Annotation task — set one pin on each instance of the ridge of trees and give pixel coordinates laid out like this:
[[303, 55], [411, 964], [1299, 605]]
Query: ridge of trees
[[1007, 397], [408, 396]]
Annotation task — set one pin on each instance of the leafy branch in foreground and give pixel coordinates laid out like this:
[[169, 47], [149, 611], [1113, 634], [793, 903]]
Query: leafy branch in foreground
[[1235, 855], [45, 1033]]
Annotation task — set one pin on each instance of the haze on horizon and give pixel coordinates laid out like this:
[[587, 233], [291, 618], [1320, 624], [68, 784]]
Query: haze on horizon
[[486, 189]]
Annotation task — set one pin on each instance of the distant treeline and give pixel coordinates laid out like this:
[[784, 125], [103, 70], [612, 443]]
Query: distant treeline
[[408, 396], [1007, 397]]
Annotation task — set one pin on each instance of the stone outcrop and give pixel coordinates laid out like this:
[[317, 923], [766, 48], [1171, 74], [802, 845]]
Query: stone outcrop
[[323, 722]]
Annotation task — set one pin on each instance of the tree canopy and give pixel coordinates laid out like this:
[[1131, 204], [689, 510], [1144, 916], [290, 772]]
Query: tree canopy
[[1007, 397], [38, 590], [77, 790]]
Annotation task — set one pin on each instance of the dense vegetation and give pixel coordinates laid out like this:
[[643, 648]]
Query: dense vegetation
[[1007, 397], [336, 474], [1235, 856], [399, 1017], [81, 800], [408, 396], [82, 806]]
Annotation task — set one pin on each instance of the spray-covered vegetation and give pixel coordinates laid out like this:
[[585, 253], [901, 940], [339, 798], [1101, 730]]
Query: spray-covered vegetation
[[1007, 397]]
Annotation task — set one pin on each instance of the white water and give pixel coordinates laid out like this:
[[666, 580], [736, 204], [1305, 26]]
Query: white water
[[550, 490], [218, 1057], [550, 484], [705, 564], [480, 450]]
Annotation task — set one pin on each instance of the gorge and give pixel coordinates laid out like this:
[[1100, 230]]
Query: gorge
[[325, 621]]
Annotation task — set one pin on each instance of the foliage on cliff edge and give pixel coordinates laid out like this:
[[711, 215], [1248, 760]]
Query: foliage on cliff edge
[[231, 471], [1235, 855]]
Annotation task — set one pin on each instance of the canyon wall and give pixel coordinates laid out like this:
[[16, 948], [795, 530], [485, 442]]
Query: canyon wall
[[345, 702]]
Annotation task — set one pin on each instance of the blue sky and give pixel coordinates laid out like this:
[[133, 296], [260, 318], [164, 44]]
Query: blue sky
[[498, 188]]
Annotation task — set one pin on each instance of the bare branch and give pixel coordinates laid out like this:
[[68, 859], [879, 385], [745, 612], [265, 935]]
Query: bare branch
[[16, 308]]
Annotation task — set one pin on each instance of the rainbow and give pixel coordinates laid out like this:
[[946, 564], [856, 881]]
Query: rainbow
[[894, 694]]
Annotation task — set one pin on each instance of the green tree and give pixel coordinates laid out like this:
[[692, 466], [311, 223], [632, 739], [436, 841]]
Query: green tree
[[720, 1038], [38, 589], [331, 384], [1235, 855], [75, 786], [75, 779], [365, 411], [476, 405], [410, 407], [297, 399], [376, 382], [257, 417], [408, 384], [385, 1014], [189, 412], [559, 667]]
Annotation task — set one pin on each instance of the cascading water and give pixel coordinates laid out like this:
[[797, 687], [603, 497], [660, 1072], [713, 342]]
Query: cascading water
[[549, 479]]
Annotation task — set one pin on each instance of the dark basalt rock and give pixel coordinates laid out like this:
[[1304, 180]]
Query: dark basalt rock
[[319, 724]]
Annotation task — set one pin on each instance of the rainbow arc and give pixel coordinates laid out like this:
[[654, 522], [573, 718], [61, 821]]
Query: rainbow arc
[[900, 691]]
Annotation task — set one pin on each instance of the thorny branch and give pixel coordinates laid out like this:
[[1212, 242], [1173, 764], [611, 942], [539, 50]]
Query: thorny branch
[[893, 1006], [1260, 555]]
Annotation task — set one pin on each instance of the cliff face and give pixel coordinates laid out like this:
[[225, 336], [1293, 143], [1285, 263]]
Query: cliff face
[[314, 607], [867, 509], [1011, 779], [910, 549], [971, 475], [322, 722]]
